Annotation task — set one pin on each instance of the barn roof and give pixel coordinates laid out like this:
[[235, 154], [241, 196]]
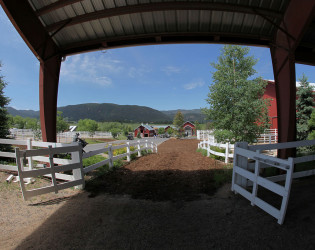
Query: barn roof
[[188, 122], [148, 127], [67, 27]]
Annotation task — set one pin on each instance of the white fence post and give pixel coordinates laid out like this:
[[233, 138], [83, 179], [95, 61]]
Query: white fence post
[[78, 173], [227, 147], [139, 148], [241, 162], [29, 159], [128, 151], [208, 148], [152, 147], [110, 156], [146, 145]]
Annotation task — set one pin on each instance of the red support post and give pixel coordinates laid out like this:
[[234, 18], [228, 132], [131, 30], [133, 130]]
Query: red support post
[[298, 16], [284, 72], [48, 94]]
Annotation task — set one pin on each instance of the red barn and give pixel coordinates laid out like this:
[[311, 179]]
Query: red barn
[[145, 131], [270, 93], [189, 128]]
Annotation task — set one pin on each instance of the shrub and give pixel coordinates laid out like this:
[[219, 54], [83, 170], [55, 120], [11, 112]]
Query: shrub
[[202, 151], [92, 160], [219, 150]]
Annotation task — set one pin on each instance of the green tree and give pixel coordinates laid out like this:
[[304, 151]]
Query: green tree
[[19, 122], [236, 108], [170, 131], [62, 125], [304, 108], [311, 126], [4, 118], [88, 125], [115, 132], [32, 123], [161, 131], [178, 122]]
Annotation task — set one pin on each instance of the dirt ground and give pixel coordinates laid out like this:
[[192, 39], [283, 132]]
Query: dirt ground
[[161, 201]]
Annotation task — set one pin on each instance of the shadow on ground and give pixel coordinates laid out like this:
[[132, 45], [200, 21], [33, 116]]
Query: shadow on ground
[[149, 218], [160, 185]]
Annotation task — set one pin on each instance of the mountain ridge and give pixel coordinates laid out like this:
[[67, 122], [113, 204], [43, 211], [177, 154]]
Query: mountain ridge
[[109, 112]]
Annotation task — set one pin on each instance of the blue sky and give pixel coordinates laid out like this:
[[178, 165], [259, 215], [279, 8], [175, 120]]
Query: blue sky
[[162, 77]]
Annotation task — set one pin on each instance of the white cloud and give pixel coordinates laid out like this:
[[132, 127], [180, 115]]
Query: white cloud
[[139, 71], [104, 81], [194, 84], [171, 70], [92, 68]]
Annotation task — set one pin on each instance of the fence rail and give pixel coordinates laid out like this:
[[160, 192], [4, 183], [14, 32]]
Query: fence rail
[[248, 160], [47, 154], [269, 136], [75, 164], [65, 136], [208, 144]]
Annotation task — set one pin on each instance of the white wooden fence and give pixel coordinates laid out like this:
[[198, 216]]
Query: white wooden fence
[[247, 174], [65, 136], [207, 146], [75, 165], [139, 146], [68, 136], [270, 136], [205, 135], [30, 144], [27, 168]]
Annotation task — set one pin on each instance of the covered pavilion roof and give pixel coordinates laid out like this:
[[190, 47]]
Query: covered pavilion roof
[[66, 27]]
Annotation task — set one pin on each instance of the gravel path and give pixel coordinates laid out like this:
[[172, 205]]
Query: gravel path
[[120, 216]]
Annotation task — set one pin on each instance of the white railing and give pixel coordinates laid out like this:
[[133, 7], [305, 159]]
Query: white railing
[[65, 136], [29, 144], [138, 147], [206, 135], [249, 160], [85, 134], [208, 144], [31, 168], [53, 171], [270, 136]]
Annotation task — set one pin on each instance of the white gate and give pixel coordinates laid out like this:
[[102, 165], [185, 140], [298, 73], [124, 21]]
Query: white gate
[[248, 160], [75, 165]]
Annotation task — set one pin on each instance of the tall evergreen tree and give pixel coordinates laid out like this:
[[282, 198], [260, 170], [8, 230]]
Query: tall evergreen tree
[[4, 117], [304, 107], [236, 108]]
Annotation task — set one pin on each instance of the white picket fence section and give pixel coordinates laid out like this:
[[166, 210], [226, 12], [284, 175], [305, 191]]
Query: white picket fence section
[[27, 168], [207, 146], [75, 165], [247, 174]]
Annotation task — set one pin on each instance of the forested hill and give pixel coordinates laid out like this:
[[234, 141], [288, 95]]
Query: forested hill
[[113, 112], [104, 112], [189, 115]]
